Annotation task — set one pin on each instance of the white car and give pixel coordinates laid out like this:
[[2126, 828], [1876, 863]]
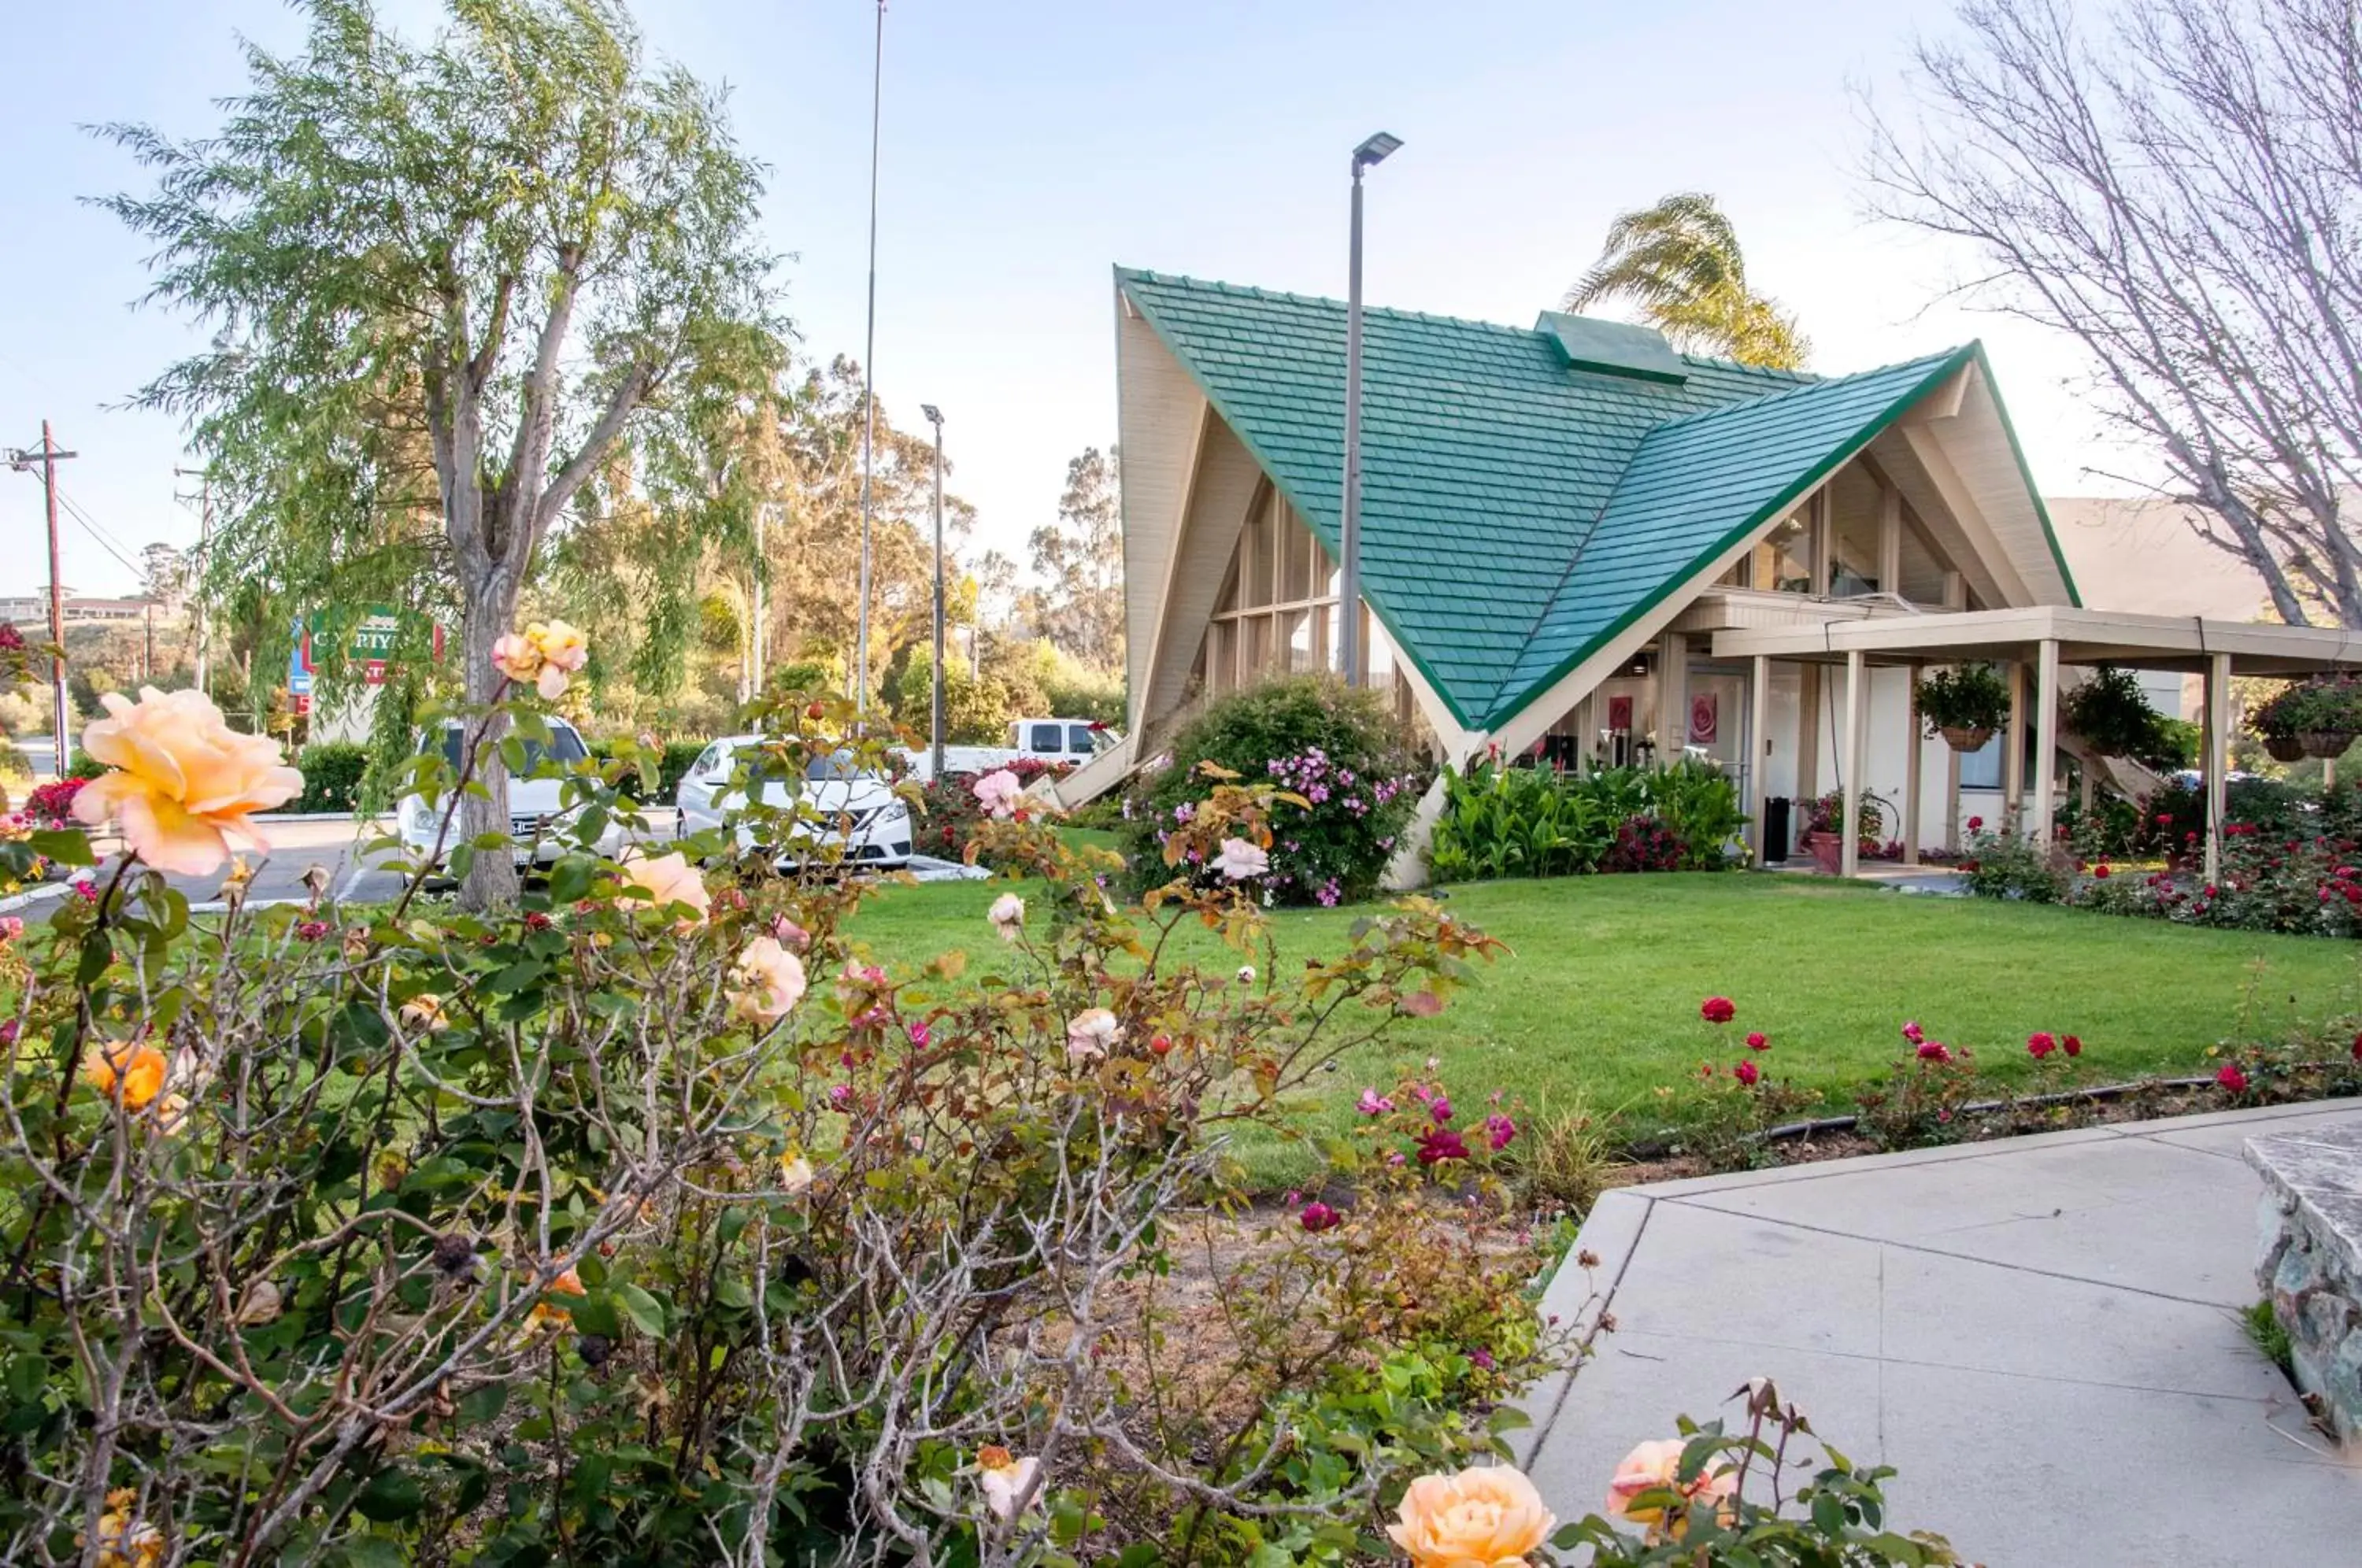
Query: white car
[[534, 804], [857, 811]]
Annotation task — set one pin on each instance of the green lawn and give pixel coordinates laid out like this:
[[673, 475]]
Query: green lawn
[[1601, 995]]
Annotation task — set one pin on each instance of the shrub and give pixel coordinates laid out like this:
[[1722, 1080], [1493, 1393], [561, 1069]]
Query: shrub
[[1342, 759], [950, 815], [50, 805], [82, 765], [1539, 821], [2003, 864], [1964, 697], [601, 1230], [333, 771]]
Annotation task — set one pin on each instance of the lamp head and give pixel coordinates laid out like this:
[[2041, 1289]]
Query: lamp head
[[1376, 150], [934, 415]]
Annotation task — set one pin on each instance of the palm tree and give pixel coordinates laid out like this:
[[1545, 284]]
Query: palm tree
[[1680, 261]]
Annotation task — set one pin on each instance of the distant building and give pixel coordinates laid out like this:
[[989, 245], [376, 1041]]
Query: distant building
[[27, 609], [82, 611]]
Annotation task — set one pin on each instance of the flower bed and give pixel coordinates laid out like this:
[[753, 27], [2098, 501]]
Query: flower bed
[[1539, 822]]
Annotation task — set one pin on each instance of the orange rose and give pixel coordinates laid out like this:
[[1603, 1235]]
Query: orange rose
[[1485, 1516], [183, 781], [1658, 1464], [130, 1072]]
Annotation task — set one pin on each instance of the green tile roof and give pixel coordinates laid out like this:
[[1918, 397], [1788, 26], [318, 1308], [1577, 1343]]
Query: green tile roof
[[1516, 512]]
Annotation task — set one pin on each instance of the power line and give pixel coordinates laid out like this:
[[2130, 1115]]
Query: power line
[[90, 526]]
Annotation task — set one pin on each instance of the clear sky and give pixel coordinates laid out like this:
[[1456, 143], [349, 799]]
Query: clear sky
[[1029, 146]]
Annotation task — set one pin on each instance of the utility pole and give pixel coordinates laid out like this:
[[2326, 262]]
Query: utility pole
[[23, 461], [196, 581], [936, 417]]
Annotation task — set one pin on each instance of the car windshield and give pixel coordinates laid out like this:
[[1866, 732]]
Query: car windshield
[[564, 745], [835, 765]]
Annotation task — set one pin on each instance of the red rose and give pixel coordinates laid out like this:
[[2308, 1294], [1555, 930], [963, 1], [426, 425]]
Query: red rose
[[2072, 1046], [1438, 1144], [1933, 1051], [2040, 1045], [1975, 822], [1746, 1073], [1718, 1009], [1319, 1217], [2231, 1079], [1759, 1040]]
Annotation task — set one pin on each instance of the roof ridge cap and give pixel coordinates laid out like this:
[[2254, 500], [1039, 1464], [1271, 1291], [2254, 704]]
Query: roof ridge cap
[[1253, 291], [1814, 385]]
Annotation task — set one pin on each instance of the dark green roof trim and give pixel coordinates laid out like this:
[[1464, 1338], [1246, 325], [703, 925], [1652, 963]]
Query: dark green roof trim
[[1915, 386], [2025, 472]]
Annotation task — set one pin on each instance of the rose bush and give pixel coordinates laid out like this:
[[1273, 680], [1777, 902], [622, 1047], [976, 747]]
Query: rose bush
[[653, 1221]]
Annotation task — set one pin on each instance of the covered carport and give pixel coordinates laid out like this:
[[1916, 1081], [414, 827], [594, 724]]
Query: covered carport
[[2038, 640]]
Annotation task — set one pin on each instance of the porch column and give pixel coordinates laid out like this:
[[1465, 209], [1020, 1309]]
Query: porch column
[[1808, 731], [2218, 758], [1673, 697], [1952, 800], [1850, 762], [2046, 741], [2013, 751], [1915, 749], [1759, 748]]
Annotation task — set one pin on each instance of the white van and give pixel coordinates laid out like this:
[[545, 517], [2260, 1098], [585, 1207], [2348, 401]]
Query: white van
[[1069, 741], [533, 803]]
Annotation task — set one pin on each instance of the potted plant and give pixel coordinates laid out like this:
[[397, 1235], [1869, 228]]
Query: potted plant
[[2322, 715], [1825, 829], [1965, 705]]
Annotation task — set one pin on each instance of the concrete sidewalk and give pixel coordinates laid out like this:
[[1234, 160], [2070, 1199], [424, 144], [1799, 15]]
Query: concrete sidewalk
[[2039, 1334]]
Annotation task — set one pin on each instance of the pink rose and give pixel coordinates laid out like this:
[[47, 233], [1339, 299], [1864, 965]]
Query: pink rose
[[769, 981], [999, 793]]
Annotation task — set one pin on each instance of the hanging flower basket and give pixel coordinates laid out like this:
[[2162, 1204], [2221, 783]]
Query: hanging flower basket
[[1965, 705], [2326, 744], [2283, 748], [1965, 737]]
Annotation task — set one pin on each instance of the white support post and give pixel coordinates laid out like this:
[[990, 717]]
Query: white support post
[[2218, 758], [2045, 742], [1915, 747], [1673, 697], [2013, 751], [1758, 760], [1849, 761], [1890, 539]]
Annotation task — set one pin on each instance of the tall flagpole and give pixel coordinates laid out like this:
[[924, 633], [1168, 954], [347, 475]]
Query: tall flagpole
[[869, 377]]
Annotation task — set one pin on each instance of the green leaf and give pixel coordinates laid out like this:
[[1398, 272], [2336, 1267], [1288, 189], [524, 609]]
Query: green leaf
[[391, 1496], [371, 1552], [647, 1314], [67, 847], [595, 1315]]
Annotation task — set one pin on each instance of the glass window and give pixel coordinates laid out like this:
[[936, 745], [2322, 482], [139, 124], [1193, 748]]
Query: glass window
[[1079, 739], [564, 745], [1853, 561], [1221, 656], [1295, 561], [1784, 558], [1295, 638], [1044, 737], [1254, 561], [1981, 769]]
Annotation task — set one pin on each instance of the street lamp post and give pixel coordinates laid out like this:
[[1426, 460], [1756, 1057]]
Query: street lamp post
[[935, 733], [1349, 529]]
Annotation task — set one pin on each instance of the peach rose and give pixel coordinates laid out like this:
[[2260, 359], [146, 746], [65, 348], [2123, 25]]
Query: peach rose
[[1008, 1482], [515, 655], [669, 879], [770, 981], [125, 1541], [424, 1012], [1090, 1033], [1657, 1465], [561, 644], [182, 782], [132, 1070], [1485, 1516], [1008, 916]]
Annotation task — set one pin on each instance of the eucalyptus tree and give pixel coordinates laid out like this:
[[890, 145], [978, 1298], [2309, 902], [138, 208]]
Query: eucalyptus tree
[[1680, 262], [500, 249]]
